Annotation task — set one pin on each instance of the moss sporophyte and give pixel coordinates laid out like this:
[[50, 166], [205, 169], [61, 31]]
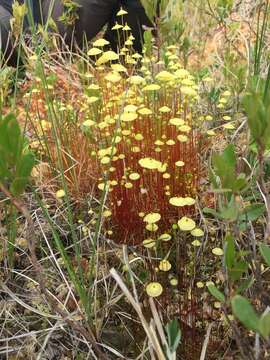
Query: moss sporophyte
[[138, 140]]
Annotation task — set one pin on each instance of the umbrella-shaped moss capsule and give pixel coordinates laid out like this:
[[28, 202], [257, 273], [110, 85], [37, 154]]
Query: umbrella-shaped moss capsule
[[197, 232], [152, 218], [154, 289], [164, 265], [186, 224]]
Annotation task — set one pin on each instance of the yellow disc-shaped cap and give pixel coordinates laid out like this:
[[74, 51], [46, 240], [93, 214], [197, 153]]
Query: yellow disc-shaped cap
[[154, 289], [164, 265], [186, 224], [152, 218], [217, 251], [197, 232]]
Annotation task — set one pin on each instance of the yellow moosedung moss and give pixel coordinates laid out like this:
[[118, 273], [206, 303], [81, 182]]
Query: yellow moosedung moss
[[182, 201], [154, 289], [152, 87], [134, 176], [151, 227], [100, 43], [165, 76], [150, 163], [165, 237], [217, 251], [106, 57], [60, 194], [180, 163], [176, 121], [149, 243], [152, 218], [164, 265], [113, 77], [186, 224], [145, 111], [94, 52], [128, 116], [197, 232]]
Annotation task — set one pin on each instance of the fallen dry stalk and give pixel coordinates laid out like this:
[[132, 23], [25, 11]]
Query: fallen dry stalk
[[206, 342], [149, 330]]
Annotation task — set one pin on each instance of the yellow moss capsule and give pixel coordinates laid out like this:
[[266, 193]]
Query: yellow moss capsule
[[164, 265], [186, 224], [154, 289], [151, 227], [152, 218], [60, 194]]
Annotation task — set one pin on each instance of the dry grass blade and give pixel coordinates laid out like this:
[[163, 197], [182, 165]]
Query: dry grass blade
[[150, 332], [25, 305], [206, 342], [158, 324], [86, 333]]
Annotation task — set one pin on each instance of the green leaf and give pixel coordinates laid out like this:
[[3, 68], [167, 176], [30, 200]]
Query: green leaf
[[225, 171], [216, 293], [245, 285], [229, 251], [23, 171], [148, 37], [238, 269], [229, 155], [10, 140], [240, 182], [221, 191], [143, 276], [225, 167], [230, 213], [226, 4], [150, 8], [252, 105], [265, 252], [257, 116], [252, 212], [264, 325], [214, 94], [210, 211], [213, 178], [245, 313], [4, 172], [174, 335]]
